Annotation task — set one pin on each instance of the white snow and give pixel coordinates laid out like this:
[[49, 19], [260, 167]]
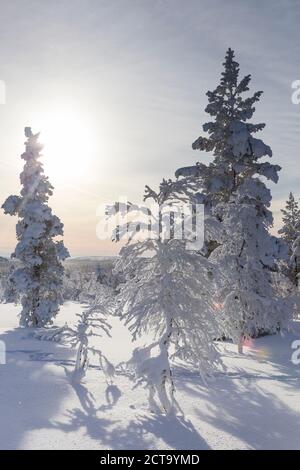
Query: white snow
[[254, 404]]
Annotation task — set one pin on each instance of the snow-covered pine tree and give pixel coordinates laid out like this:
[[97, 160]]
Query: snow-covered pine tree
[[167, 293], [40, 277], [10, 293], [246, 297], [233, 178], [236, 152], [290, 230]]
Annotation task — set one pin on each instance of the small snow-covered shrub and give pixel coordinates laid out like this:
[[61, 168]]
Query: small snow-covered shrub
[[92, 323]]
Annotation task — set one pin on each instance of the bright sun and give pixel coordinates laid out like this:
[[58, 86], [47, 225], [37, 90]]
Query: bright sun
[[69, 144]]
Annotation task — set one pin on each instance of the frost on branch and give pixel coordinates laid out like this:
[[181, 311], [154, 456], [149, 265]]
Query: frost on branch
[[11, 205]]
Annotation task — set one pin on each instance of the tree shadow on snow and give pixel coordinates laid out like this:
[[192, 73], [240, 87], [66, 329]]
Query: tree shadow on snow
[[173, 431], [30, 391], [142, 432], [246, 409], [244, 405], [33, 386]]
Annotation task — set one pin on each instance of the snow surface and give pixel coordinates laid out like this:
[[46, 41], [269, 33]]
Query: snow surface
[[255, 404]]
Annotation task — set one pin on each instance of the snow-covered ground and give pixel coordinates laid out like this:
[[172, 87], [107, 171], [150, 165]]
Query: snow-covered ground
[[255, 404]]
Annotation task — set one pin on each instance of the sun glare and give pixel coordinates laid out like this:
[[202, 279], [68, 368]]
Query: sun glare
[[69, 144]]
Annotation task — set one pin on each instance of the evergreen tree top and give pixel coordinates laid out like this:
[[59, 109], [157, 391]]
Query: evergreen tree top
[[231, 110], [230, 137], [291, 220], [291, 213]]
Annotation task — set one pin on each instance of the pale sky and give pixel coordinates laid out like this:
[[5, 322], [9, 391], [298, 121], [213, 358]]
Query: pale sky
[[117, 89]]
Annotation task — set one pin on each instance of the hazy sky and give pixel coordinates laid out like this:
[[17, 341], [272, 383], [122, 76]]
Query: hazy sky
[[122, 85]]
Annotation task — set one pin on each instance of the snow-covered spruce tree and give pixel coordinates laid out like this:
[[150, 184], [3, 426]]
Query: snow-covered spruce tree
[[248, 302], [40, 277], [236, 152], [237, 163], [290, 230], [167, 293], [10, 292]]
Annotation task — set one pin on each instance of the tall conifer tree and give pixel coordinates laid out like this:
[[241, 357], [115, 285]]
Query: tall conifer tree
[[40, 276]]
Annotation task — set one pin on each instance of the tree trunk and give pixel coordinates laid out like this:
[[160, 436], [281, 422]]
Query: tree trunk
[[240, 345]]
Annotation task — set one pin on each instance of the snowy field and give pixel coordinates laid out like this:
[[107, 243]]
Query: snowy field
[[255, 404]]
